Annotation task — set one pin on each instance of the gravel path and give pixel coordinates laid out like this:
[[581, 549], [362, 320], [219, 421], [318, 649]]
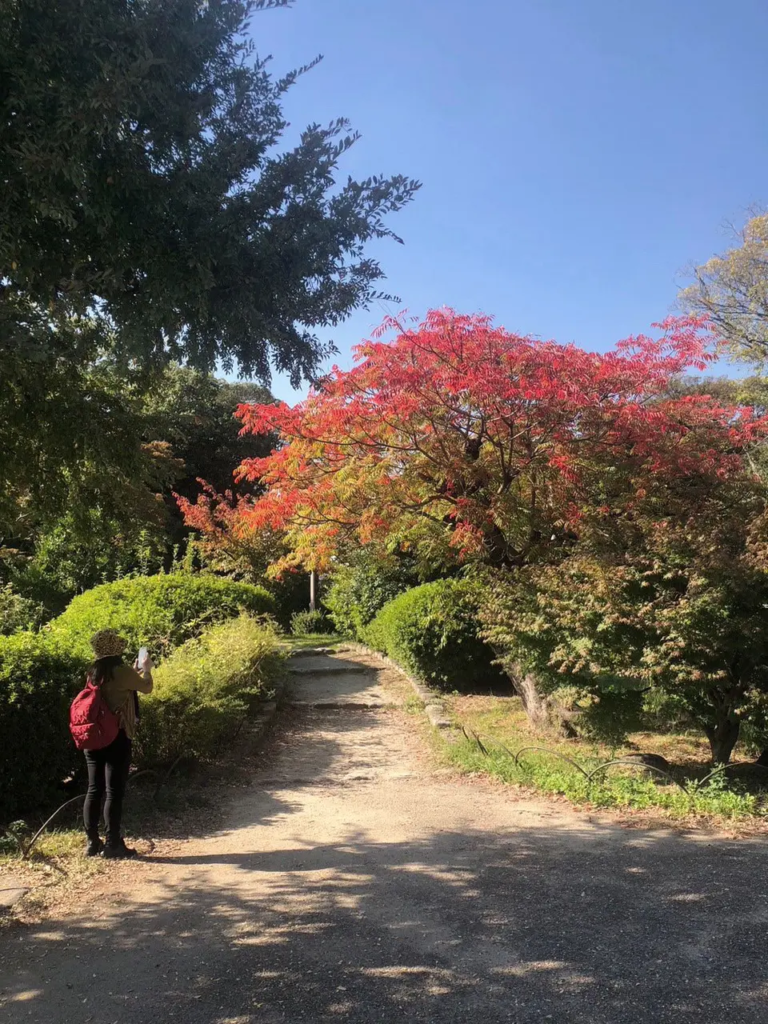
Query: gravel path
[[354, 883]]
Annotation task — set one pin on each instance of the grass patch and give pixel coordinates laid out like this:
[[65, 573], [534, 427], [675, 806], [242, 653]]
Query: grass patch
[[305, 641], [60, 843], [413, 704], [740, 794]]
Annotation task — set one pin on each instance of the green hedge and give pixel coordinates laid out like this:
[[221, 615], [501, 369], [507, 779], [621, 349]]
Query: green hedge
[[205, 688], [158, 612], [39, 675], [41, 672], [358, 591], [432, 632]]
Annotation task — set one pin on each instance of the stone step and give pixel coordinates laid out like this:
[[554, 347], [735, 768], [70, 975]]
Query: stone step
[[340, 668], [339, 705], [310, 652]]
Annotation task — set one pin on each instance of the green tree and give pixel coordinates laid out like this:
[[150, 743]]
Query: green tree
[[73, 443], [195, 413], [143, 190], [362, 581], [731, 289], [89, 495], [93, 517], [147, 214], [669, 598]]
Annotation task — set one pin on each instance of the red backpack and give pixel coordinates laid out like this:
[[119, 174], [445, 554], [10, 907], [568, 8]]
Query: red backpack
[[92, 724]]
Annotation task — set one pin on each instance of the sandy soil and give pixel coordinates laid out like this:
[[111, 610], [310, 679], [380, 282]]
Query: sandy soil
[[354, 882]]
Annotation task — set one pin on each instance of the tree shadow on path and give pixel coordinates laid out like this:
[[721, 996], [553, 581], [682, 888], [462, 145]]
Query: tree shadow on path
[[586, 924]]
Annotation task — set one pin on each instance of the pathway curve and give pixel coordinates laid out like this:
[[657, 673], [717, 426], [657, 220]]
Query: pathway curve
[[356, 884]]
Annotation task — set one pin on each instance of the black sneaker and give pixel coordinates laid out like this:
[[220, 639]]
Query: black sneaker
[[94, 847], [118, 851]]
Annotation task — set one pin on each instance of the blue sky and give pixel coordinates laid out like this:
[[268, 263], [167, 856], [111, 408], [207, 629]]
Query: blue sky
[[576, 155]]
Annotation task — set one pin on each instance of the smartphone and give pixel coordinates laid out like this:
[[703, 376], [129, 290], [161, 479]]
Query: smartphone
[[142, 657]]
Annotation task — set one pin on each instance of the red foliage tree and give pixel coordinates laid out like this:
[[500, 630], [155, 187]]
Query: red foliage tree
[[463, 440]]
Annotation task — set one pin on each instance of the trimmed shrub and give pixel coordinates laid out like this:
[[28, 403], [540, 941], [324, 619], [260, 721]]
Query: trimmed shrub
[[432, 632], [158, 612], [205, 688], [360, 590], [39, 676], [41, 672], [311, 622]]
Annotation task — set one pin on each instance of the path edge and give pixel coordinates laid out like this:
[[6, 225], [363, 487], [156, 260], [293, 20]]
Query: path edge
[[435, 707], [261, 722]]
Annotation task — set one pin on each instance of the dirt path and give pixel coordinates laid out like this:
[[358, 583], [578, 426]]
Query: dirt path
[[353, 883]]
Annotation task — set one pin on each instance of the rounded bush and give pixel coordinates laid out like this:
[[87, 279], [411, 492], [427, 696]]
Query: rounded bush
[[204, 690], [308, 622], [432, 632], [358, 591], [39, 676], [158, 612]]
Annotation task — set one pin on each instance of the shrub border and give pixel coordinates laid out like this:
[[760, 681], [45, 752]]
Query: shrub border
[[263, 720], [261, 724]]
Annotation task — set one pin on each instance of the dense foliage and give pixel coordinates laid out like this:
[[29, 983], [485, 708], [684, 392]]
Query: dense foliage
[[311, 621], [205, 688], [677, 609], [360, 588], [227, 544], [148, 216], [81, 467], [144, 191], [96, 500], [17, 612], [431, 631], [194, 413], [731, 290], [41, 671], [158, 612], [39, 675], [460, 440]]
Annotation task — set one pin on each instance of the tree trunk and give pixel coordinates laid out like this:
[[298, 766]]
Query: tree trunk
[[534, 704], [544, 714], [313, 591], [722, 738]]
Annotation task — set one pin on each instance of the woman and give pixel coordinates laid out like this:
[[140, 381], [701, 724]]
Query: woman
[[108, 767]]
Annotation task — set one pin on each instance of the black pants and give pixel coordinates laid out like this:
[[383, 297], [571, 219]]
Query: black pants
[[107, 774]]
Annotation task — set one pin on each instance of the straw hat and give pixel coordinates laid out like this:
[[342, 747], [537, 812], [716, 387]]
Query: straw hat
[[107, 643]]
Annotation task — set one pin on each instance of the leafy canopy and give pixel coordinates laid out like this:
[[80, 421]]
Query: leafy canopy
[[459, 438], [619, 512], [143, 190], [674, 606], [88, 494], [731, 290]]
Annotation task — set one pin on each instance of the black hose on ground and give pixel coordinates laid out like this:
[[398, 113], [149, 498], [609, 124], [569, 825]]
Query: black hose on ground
[[27, 849]]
